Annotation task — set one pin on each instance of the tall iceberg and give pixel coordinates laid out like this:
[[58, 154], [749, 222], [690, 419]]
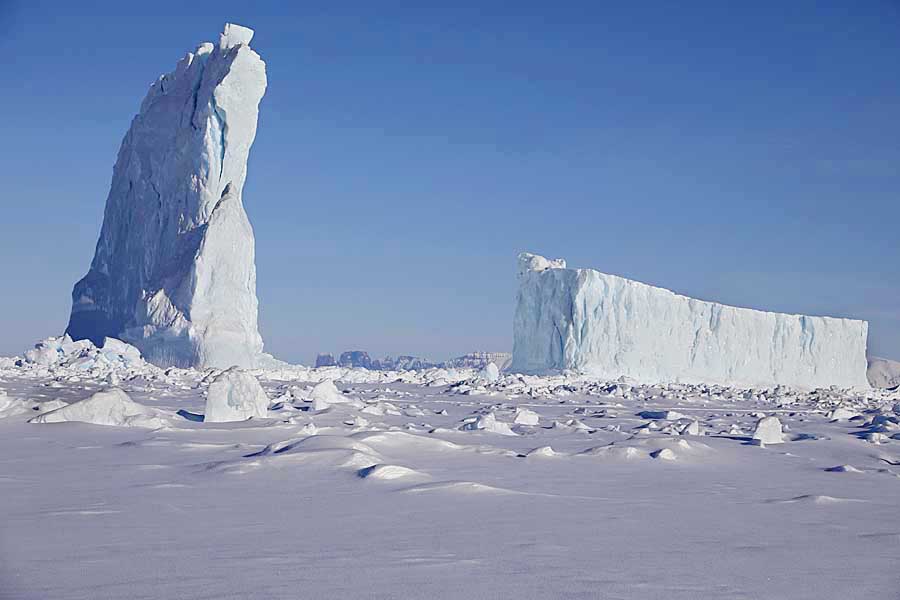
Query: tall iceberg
[[174, 271], [609, 326]]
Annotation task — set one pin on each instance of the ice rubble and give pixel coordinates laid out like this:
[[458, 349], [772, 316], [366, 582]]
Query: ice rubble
[[108, 407], [174, 271], [62, 352], [608, 326]]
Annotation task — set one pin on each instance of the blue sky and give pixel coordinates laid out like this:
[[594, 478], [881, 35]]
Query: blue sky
[[746, 153]]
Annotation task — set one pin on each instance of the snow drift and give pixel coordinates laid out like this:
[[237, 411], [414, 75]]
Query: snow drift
[[111, 407], [608, 326], [174, 273]]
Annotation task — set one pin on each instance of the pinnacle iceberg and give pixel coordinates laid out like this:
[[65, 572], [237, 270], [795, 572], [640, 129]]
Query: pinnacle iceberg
[[174, 272], [609, 326]]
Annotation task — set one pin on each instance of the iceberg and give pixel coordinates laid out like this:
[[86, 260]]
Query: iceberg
[[608, 326], [173, 273]]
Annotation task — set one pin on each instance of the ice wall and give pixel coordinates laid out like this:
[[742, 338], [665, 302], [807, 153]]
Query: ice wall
[[174, 270], [608, 326]]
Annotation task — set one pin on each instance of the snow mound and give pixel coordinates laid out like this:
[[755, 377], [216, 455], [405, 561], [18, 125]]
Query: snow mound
[[403, 440], [607, 326], [843, 469], [542, 452], [235, 395], [663, 454], [325, 394], [459, 487], [390, 472], [108, 407], [615, 452], [13, 407], [842, 413], [488, 423]]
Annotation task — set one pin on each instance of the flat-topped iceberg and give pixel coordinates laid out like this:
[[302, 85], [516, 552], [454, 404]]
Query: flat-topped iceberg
[[174, 273], [609, 326]]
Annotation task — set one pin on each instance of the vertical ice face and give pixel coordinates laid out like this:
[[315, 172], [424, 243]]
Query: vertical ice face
[[174, 270], [608, 326]]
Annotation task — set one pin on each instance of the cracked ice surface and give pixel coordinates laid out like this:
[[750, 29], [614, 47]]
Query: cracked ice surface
[[174, 273], [608, 326]]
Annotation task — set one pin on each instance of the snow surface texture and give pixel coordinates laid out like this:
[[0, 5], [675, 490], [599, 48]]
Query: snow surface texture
[[608, 326], [439, 484], [174, 273]]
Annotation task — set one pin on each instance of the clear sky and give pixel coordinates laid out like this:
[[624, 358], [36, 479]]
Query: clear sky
[[743, 152]]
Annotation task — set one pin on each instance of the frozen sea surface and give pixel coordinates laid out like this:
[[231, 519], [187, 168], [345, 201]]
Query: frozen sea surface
[[422, 485]]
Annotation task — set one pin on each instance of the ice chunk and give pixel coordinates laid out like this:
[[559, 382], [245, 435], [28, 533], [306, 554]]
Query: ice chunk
[[842, 413], [108, 407], [325, 392], [174, 273], [119, 350], [487, 423], [490, 373], [525, 416], [235, 395], [234, 35], [768, 431], [608, 326], [533, 263]]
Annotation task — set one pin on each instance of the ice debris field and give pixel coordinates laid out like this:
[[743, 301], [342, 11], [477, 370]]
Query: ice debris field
[[122, 479]]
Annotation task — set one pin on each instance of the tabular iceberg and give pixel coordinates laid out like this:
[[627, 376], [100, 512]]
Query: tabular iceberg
[[608, 326], [174, 272]]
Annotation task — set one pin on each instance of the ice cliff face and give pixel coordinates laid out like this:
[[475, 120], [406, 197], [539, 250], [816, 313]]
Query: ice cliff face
[[608, 326], [174, 270]]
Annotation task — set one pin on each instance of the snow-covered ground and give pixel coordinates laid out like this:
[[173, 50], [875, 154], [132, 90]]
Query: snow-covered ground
[[437, 484]]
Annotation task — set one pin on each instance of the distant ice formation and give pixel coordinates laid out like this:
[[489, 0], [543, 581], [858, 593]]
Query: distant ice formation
[[608, 326], [174, 273]]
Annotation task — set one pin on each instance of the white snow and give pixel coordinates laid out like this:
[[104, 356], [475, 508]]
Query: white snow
[[325, 393], [488, 423], [235, 395], [608, 326], [382, 492], [174, 270], [111, 407]]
